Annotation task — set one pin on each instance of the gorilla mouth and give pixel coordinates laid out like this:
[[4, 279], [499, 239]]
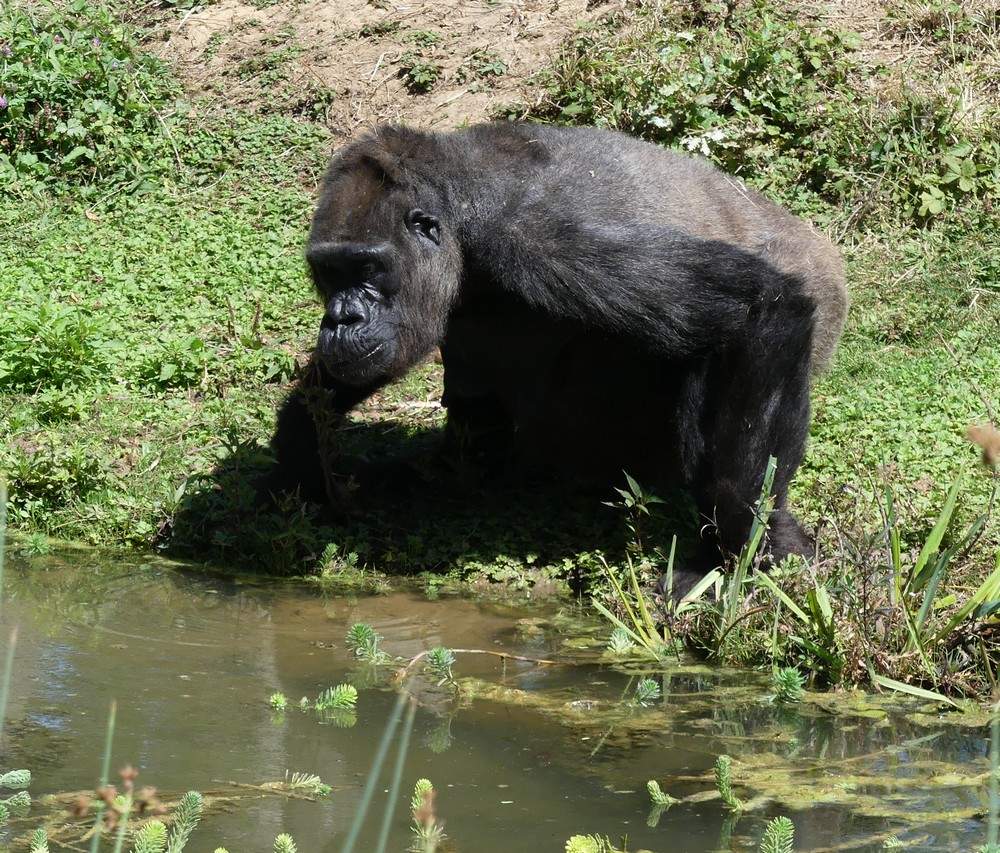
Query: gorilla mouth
[[352, 361]]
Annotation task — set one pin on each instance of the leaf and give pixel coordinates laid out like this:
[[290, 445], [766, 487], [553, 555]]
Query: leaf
[[783, 598], [912, 690], [933, 543], [76, 153]]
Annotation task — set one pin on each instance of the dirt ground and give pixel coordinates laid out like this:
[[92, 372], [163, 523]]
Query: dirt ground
[[345, 61]]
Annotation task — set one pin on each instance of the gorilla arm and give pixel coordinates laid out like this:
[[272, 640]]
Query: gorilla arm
[[303, 442]]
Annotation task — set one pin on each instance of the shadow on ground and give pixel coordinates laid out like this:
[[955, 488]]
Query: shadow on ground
[[412, 510]]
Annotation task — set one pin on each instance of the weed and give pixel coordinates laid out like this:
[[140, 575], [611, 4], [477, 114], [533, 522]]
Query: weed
[[308, 783], [343, 697], [278, 701], [428, 833], [418, 73], [787, 685], [779, 836], [771, 98], [724, 783], [620, 643], [82, 102], [379, 29], [422, 38], [481, 65], [284, 843], [438, 664], [363, 640], [590, 844], [647, 691], [656, 795]]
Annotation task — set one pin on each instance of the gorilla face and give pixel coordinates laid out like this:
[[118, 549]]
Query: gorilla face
[[360, 284], [382, 267]]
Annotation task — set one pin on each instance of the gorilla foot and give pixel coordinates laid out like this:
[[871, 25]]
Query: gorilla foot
[[787, 537]]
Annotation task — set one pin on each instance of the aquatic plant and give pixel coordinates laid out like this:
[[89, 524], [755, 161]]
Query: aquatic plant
[[620, 643], [39, 842], [787, 685], [590, 844], [186, 818], [364, 641], [15, 780], [428, 833], [439, 663], [657, 795], [17, 804], [151, 838], [724, 783], [343, 697], [778, 836], [646, 691], [278, 701], [309, 783], [284, 843]]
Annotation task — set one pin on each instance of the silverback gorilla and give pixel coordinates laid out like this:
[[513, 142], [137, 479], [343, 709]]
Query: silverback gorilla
[[601, 304]]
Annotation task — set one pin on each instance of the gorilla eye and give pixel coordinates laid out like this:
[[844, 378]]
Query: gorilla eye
[[424, 225]]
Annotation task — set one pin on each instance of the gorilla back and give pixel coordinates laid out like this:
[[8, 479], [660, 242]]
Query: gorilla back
[[601, 303]]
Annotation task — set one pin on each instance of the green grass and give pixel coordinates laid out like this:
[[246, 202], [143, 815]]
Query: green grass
[[157, 303]]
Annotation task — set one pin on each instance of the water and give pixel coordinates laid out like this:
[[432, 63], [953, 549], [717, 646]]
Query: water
[[546, 752]]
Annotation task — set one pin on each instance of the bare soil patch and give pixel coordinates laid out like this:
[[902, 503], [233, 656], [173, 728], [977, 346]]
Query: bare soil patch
[[345, 62]]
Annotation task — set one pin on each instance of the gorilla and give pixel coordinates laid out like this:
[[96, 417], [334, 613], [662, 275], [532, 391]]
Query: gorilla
[[601, 304]]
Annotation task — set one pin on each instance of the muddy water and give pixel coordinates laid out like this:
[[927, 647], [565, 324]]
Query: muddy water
[[531, 755]]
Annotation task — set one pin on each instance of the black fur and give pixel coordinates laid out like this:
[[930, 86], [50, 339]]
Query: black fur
[[601, 304]]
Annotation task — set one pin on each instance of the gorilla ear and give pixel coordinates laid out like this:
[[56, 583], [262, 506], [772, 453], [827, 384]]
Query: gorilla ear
[[424, 225]]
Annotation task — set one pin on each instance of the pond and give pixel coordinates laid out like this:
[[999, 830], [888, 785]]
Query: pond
[[522, 755]]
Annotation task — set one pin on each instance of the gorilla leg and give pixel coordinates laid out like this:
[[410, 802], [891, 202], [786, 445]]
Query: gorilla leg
[[754, 404]]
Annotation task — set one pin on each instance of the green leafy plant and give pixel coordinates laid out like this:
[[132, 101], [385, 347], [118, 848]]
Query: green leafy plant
[[620, 643], [343, 697], [657, 796], [422, 38], [39, 842], [284, 844], [634, 502], [438, 664], [428, 833], [308, 783], [641, 628], [363, 640], [81, 101], [278, 701], [418, 73], [779, 836], [17, 804], [185, 819], [150, 838], [646, 692], [724, 783], [787, 685], [590, 844]]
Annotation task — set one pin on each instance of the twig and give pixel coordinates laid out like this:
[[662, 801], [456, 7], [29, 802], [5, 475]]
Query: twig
[[401, 673], [736, 622]]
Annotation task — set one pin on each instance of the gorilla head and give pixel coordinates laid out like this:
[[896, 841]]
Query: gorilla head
[[378, 237]]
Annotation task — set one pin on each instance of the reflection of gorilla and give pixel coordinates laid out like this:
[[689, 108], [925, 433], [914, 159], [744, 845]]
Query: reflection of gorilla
[[601, 303]]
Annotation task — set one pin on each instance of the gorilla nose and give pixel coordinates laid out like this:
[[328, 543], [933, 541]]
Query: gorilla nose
[[347, 308]]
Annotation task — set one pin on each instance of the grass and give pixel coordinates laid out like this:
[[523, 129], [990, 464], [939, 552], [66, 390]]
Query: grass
[[157, 306]]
